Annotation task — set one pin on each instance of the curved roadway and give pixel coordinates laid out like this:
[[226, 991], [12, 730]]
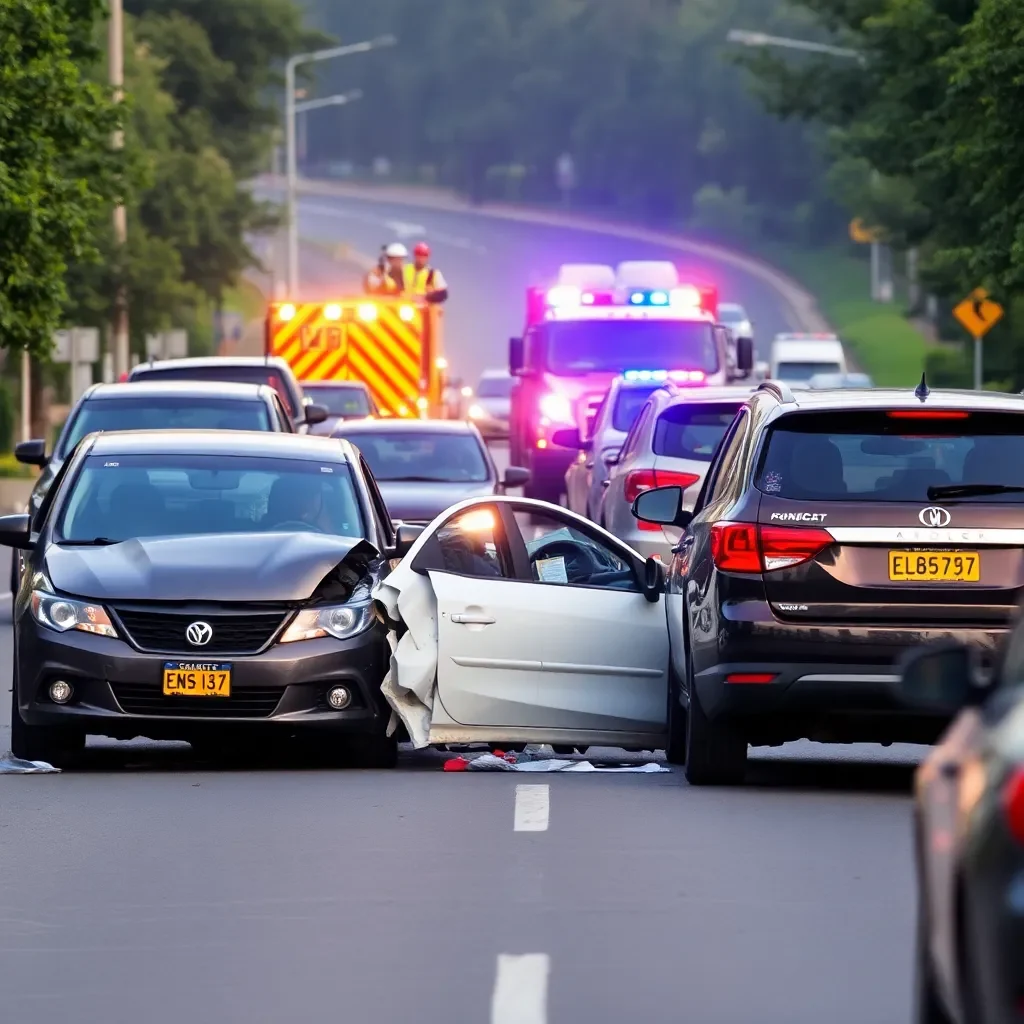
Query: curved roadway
[[150, 887]]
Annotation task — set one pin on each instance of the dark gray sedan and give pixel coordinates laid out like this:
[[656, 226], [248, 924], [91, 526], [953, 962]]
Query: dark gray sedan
[[424, 466]]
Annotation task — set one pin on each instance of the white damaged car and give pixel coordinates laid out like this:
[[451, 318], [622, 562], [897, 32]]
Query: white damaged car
[[517, 621]]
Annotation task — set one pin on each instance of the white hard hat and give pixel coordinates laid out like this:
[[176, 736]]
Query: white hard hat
[[397, 250]]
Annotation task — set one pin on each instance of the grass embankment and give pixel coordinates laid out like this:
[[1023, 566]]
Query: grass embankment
[[881, 339]]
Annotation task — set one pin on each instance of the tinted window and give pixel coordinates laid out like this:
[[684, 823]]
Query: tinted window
[[437, 457], [237, 374], [804, 371], [693, 431], [495, 387], [127, 496], [628, 404], [883, 457], [629, 445], [341, 400], [151, 413], [599, 346]]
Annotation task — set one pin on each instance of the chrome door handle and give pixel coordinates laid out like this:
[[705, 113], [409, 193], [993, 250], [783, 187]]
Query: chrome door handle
[[606, 483], [472, 620]]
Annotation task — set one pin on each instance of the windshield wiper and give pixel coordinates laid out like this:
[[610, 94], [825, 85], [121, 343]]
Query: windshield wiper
[[93, 542], [971, 490], [418, 480]]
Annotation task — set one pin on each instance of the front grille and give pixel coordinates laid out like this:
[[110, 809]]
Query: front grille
[[164, 632], [140, 699]]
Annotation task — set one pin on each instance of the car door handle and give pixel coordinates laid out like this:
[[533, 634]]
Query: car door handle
[[472, 620], [606, 483]]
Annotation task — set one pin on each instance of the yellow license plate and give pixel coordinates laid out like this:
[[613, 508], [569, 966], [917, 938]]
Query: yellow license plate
[[934, 566], [196, 679]]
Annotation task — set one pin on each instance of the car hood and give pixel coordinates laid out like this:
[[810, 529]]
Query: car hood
[[242, 567], [421, 502]]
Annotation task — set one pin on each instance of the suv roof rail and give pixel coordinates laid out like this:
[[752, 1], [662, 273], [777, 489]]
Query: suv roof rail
[[779, 388]]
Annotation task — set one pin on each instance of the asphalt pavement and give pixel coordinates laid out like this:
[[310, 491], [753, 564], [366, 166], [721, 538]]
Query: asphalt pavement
[[149, 886]]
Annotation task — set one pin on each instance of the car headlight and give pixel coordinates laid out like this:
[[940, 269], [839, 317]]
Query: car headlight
[[64, 613], [556, 407], [341, 621], [476, 412]]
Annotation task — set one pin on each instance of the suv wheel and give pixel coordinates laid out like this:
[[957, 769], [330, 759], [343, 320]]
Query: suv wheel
[[716, 752], [53, 744]]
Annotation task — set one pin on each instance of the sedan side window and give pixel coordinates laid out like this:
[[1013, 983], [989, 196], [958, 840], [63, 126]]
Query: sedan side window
[[283, 417], [561, 553], [630, 444], [472, 544]]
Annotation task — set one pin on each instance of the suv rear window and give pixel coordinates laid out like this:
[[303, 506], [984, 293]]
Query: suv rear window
[[891, 456], [693, 431]]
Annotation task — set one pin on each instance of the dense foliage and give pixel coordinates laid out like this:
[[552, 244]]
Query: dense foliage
[[486, 95]]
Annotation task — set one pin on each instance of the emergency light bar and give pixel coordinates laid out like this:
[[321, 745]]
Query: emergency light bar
[[629, 313], [675, 376]]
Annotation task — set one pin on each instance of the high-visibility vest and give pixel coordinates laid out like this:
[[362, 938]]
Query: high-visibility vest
[[418, 282]]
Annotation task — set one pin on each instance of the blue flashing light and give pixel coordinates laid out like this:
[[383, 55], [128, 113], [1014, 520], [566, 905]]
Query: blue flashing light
[[659, 298], [637, 298]]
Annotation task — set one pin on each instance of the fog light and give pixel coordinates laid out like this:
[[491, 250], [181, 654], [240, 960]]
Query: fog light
[[60, 692], [339, 697]]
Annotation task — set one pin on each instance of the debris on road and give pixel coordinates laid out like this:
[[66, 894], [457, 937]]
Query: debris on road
[[11, 765], [501, 762]]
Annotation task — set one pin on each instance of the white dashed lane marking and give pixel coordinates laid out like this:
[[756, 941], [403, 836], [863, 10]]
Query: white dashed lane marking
[[531, 809], [521, 985]]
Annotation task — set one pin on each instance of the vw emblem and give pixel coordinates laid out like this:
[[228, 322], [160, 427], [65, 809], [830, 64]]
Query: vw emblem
[[199, 634], [931, 516]]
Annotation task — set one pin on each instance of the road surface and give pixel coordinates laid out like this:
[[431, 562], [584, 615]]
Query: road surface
[[151, 887]]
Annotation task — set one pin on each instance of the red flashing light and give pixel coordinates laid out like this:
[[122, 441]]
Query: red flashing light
[[749, 677], [745, 547], [641, 480], [1013, 804], [928, 414]]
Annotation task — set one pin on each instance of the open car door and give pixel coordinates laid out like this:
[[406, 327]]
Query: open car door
[[545, 629]]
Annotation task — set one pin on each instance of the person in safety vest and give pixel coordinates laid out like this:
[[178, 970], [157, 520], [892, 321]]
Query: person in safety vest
[[388, 277], [422, 279]]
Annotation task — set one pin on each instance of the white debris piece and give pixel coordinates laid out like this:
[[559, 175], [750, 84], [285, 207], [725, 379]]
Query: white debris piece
[[492, 763], [409, 598], [11, 765]]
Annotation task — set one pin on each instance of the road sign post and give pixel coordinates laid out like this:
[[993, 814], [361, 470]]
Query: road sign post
[[80, 347], [978, 314]]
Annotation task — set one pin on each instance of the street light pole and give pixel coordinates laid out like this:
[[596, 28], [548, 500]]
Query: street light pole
[[116, 63], [746, 38], [291, 159]]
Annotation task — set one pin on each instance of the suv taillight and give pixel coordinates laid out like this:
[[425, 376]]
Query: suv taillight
[[1013, 804], [641, 480], [746, 547]]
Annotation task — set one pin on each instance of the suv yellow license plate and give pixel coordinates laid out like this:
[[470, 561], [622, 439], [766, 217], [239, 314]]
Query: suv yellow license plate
[[934, 566], [196, 679]]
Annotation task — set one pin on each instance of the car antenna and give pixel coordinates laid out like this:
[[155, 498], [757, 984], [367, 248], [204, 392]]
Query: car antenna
[[922, 391]]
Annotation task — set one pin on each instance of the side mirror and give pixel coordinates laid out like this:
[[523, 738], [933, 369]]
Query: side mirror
[[32, 453], [612, 458], [516, 476], [15, 530], [940, 678], [662, 505], [653, 582], [515, 355], [405, 536], [745, 354], [567, 438], [314, 414]]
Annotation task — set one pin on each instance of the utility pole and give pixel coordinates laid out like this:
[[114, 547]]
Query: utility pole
[[119, 332], [290, 142]]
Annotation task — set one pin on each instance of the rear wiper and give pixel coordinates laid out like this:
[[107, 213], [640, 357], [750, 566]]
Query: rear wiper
[[95, 542], [970, 490]]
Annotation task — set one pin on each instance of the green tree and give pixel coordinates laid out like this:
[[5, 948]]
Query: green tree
[[57, 170]]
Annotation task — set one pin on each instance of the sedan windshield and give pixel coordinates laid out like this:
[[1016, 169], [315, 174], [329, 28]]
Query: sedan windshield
[[429, 457], [341, 400], [495, 387], [187, 412], [118, 497]]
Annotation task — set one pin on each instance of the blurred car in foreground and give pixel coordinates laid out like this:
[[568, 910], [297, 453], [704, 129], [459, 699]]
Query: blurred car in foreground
[[492, 404], [423, 466], [824, 381], [672, 442], [969, 836], [157, 404], [270, 370], [202, 585], [584, 479], [343, 400]]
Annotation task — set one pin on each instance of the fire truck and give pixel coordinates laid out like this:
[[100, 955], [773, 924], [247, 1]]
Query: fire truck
[[393, 345], [593, 324]]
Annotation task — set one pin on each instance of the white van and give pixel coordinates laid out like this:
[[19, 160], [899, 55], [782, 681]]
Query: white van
[[796, 358]]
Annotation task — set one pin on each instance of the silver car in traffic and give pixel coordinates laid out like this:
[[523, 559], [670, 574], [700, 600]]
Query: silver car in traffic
[[584, 480], [492, 403], [672, 442]]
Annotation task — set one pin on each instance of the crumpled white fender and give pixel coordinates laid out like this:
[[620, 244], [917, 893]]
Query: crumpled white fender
[[410, 683]]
